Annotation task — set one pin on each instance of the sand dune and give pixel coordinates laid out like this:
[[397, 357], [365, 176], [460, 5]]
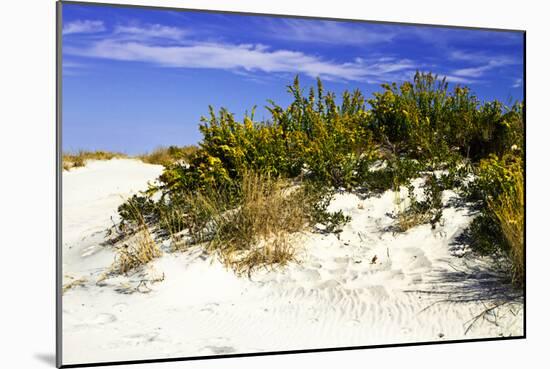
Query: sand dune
[[364, 286]]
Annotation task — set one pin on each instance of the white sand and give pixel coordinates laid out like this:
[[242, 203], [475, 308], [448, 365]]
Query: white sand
[[334, 297]]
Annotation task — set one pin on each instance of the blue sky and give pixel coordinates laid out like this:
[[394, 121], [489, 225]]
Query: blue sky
[[135, 79]]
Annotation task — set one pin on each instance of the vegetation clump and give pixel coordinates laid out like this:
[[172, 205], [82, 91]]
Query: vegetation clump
[[499, 192], [255, 232], [140, 250], [250, 185], [169, 155], [427, 210]]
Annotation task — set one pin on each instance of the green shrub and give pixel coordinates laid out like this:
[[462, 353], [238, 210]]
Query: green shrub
[[318, 199], [398, 171], [429, 122], [427, 210], [137, 208], [313, 137]]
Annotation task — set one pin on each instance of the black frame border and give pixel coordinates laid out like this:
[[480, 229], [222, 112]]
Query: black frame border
[[59, 187]]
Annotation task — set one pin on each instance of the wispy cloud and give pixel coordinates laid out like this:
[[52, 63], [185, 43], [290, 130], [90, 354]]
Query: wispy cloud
[[247, 57], [149, 44], [476, 71], [327, 32], [83, 26], [481, 63], [452, 78], [150, 31], [447, 38], [480, 57], [71, 68], [176, 47], [518, 82]]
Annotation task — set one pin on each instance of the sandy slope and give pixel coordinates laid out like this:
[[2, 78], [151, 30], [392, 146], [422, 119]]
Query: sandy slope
[[418, 289]]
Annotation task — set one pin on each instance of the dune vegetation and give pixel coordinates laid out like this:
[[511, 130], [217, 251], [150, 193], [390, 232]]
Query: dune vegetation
[[168, 155], [250, 186], [79, 158], [160, 156]]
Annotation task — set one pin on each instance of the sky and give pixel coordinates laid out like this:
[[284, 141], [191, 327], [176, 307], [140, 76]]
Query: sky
[[134, 79]]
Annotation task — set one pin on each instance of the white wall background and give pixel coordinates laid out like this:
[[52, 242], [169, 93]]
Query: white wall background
[[27, 180]]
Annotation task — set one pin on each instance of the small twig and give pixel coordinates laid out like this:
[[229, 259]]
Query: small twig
[[482, 315], [456, 269], [143, 282], [433, 304]]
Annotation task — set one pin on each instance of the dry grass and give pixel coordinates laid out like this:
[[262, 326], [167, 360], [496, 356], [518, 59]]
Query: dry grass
[[256, 233], [509, 210], [407, 217], [74, 283], [410, 219], [173, 221], [168, 155], [162, 156], [79, 159], [277, 251], [140, 251], [417, 212]]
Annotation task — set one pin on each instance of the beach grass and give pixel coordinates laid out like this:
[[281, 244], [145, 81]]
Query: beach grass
[[159, 156], [140, 249], [509, 210], [254, 233], [79, 158]]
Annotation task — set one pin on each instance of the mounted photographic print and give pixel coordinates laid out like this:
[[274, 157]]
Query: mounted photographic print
[[239, 184]]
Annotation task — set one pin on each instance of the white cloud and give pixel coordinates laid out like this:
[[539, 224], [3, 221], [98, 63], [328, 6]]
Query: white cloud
[[147, 43], [246, 57], [480, 57], [151, 31], [475, 71], [485, 63], [71, 68], [83, 26], [479, 70], [332, 32], [518, 82]]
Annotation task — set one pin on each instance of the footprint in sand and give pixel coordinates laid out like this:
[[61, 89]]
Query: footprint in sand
[[418, 259], [307, 275], [141, 338], [217, 350], [209, 308], [217, 346], [341, 260], [337, 272], [102, 319]]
